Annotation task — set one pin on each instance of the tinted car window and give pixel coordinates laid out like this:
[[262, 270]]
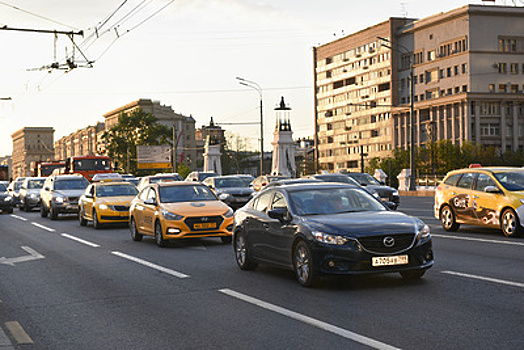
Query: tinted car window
[[190, 193], [263, 202], [452, 179], [466, 180], [512, 181], [35, 184], [2, 188], [484, 181]]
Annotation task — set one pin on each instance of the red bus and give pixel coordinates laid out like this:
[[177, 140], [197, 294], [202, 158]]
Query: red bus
[[88, 166]]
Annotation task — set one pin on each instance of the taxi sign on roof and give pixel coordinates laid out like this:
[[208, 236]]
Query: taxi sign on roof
[[107, 177]]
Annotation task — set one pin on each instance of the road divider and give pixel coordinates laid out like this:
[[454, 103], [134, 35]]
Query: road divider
[[94, 245], [487, 279], [309, 320], [151, 265]]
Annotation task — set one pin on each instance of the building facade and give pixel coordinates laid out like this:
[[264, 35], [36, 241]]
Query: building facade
[[468, 69], [184, 126], [31, 144], [83, 142]]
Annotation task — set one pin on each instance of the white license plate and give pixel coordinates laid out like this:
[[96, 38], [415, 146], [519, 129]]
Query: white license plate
[[389, 260]]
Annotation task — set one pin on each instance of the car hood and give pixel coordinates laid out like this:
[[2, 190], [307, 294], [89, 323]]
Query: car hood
[[119, 200], [235, 190], [364, 223], [381, 189], [69, 193], [204, 208]]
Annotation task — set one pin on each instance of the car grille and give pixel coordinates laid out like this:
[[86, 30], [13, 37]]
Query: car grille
[[72, 199], [375, 244], [242, 195], [119, 207], [191, 221]]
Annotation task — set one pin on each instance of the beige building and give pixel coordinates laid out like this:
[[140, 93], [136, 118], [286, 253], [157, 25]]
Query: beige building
[[83, 142], [468, 67], [184, 126], [31, 144]]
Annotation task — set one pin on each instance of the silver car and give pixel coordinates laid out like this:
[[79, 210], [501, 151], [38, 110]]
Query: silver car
[[29, 194], [60, 194]]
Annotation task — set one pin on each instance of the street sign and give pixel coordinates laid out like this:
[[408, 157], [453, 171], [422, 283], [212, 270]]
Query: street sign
[[154, 157]]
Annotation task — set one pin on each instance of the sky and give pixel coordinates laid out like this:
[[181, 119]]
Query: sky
[[185, 54]]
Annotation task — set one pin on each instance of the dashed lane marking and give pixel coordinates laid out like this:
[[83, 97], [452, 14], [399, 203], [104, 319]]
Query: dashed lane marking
[[80, 240], [487, 279], [151, 265], [309, 320], [43, 227], [483, 240], [18, 333], [18, 217]]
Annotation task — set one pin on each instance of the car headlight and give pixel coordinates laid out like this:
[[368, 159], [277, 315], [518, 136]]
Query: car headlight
[[171, 216], [423, 233], [229, 213], [395, 193], [224, 196], [329, 239], [103, 206], [60, 199], [8, 199]]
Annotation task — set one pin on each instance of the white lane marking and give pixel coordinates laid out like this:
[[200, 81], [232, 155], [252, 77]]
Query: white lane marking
[[309, 320], [20, 335], [33, 255], [151, 265], [487, 279], [483, 240], [43, 227], [94, 245], [18, 217]]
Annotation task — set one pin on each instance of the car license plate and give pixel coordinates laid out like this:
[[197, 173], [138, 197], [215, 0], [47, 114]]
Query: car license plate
[[389, 260], [205, 225]]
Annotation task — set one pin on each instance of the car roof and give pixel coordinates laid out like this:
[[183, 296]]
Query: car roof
[[177, 183], [313, 186], [486, 170]]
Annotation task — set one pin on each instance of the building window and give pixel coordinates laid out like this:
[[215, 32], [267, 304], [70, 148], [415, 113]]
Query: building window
[[491, 87], [503, 88], [514, 68], [489, 130], [421, 78], [464, 68], [464, 88], [431, 55], [450, 91], [456, 69], [449, 72], [441, 74], [502, 68], [514, 88]]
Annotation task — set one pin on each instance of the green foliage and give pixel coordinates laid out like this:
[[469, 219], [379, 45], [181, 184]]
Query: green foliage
[[183, 170], [134, 129]]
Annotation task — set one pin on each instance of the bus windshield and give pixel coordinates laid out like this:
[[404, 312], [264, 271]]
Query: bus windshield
[[91, 164]]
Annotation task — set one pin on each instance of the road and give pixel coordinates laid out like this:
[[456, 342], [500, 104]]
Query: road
[[64, 286]]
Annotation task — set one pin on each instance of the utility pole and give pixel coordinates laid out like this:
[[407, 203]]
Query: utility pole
[[175, 142]]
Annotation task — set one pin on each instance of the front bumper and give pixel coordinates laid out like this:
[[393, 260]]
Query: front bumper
[[179, 229], [342, 260], [6, 205], [66, 208]]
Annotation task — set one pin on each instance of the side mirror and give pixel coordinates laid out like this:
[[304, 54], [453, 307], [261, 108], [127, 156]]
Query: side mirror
[[150, 201], [279, 214], [46, 188], [492, 189]]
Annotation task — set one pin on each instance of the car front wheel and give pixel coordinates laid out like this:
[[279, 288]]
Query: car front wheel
[[160, 241], [510, 224], [242, 253], [81, 219], [135, 235], [96, 224], [303, 265], [447, 219]]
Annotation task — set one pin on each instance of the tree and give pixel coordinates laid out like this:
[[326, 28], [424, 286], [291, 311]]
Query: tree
[[134, 129]]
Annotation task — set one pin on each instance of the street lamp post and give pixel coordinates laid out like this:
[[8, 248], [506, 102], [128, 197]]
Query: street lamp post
[[412, 186], [253, 85]]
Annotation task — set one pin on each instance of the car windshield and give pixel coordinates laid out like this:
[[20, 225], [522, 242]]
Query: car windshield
[[76, 184], [365, 179], [189, 193], [229, 182], [35, 184], [512, 181], [116, 190], [333, 201]]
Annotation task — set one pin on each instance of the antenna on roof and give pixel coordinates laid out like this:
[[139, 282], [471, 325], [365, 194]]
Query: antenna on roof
[[403, 9]]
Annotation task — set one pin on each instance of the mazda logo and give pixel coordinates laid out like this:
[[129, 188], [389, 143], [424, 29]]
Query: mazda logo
[[388, 242], [203, 219]]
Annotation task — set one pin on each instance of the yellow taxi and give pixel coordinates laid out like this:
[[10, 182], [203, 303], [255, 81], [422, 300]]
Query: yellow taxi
[[482, 196], [106, 202], [175, 210]]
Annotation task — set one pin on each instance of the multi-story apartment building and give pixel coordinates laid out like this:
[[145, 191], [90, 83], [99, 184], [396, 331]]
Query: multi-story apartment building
[[83, 142], [468, 68], [184, 126], [31, 144]]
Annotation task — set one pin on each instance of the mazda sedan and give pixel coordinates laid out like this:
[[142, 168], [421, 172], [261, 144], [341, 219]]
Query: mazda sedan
[[329, 229]]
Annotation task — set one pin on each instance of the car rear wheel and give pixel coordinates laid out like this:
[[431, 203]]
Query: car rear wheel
[[447, 219], [242, 253], [52, 213], [96, 224], [160, 241], [43, 210], [510, 224], [412, 274], [303, 265], [135, 235]]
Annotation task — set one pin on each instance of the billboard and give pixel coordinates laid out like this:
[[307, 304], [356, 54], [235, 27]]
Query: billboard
[[154, 157]]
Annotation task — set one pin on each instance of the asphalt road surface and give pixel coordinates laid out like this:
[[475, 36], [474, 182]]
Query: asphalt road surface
[[63, 286]]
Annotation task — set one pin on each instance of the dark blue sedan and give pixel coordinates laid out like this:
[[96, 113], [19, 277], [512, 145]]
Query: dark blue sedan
[[329, 229]]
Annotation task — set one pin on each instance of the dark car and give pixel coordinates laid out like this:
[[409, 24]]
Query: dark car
[[261, 181], [332, 229], [230, 190], [386, 193], [341, 178], [200, 175], [6, 201], [290, 182]]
